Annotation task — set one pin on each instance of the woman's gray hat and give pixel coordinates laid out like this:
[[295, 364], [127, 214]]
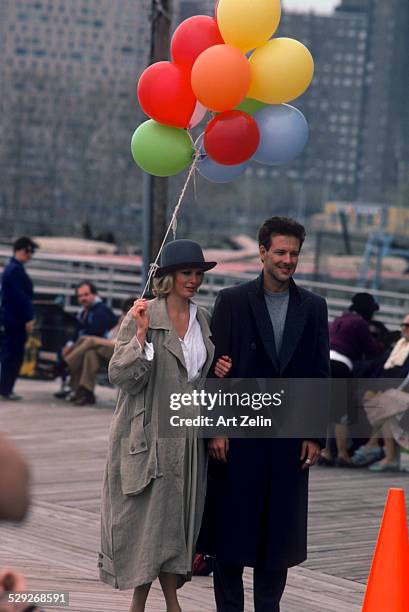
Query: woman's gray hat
[[180, 254]]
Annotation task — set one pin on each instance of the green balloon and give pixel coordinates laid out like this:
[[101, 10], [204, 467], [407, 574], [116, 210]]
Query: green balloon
[[250, 106], [161, 150]]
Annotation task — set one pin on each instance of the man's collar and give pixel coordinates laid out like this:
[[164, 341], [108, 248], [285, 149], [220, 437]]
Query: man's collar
[[95, 302], [292, 287]]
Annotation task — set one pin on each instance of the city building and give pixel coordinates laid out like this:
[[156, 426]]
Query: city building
[[357, 103], [363, 218], [183, 9], [67, 113], [68, 108], [384, 131]]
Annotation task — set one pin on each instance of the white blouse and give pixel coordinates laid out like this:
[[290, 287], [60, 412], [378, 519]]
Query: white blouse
[[193, 346]]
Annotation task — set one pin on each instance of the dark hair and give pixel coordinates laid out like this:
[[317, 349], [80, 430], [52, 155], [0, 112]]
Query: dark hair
[[24, 242], [91, 286], [280, 226], [364, 304]]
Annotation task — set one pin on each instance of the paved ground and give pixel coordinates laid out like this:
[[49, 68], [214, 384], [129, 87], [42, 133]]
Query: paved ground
[[56, 547]]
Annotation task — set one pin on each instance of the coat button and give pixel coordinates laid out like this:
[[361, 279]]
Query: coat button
[[100, 564], [143, 444], [100, 555], [132, 449], [253, 346]]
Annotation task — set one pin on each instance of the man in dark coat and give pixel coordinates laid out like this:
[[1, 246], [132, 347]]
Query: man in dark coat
[[256, 509], [17, 313], [94, 319]]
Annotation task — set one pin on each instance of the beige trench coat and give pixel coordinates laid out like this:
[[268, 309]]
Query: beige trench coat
[[143, 518]]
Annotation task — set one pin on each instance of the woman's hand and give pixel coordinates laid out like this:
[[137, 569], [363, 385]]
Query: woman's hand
[[140, 313], [140, 316], [223, 366]]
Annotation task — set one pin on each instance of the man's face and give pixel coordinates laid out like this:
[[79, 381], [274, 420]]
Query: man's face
[[281, 259], [405, 327], [24, 255], [85, 297]]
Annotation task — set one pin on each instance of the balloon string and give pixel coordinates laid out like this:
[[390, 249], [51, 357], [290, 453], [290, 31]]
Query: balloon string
[[172, 224], [200, 154]]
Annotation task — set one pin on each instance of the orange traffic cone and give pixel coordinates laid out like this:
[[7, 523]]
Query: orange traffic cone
[[388, 583]]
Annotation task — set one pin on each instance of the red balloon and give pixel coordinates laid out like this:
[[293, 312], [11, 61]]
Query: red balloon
[[192, 37], [231, 138], [165, 94]]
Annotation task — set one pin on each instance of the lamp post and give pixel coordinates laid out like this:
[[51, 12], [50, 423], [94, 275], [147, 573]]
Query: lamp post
[[155, 189]]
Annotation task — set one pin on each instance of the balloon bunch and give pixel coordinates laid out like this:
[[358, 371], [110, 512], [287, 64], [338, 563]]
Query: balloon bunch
[[228, 65]]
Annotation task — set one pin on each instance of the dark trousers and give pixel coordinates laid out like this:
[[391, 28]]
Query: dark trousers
[[268, 587], [12, 355]]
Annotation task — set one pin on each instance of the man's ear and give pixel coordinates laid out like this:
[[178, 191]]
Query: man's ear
[[262, 251]]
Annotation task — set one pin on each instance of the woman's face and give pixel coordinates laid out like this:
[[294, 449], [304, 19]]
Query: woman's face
[[187, 282]]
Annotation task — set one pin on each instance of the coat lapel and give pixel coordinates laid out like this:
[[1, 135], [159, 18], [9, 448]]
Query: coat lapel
[[159, 319], [297, 313], [262, 320]]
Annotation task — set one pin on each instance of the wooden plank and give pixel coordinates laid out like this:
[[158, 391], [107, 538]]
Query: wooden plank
[[56, 548]]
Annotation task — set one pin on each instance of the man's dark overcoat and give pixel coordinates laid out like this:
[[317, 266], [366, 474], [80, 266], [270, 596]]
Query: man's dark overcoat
[[256, 508]]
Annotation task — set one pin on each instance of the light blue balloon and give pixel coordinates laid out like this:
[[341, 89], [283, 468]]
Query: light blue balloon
[[283, 134], [218, 173]]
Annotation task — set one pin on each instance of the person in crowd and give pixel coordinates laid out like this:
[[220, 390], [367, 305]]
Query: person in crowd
[[17, 315], [14, 482], [350, 341], [256, 507], [154, 487], [87, 357], [94, 319], [14, 503], [395, 366]]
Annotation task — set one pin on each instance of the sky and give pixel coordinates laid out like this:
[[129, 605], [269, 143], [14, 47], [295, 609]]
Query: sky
[[319, 6]]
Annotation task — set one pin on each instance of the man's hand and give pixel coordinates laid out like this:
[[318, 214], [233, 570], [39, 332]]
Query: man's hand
[[310, 452], [218, 448], [67, 350], [29, 327], [223, 366]]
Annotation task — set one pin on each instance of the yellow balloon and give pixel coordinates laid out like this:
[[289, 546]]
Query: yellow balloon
[[247, 24], [281, 71]]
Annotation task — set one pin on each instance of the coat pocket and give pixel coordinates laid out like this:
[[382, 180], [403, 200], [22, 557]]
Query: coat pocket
[[139, 463]]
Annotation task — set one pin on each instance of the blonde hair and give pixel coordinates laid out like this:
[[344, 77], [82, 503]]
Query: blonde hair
[[162, 286]]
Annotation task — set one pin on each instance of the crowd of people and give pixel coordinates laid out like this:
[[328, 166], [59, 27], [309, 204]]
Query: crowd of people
[[165, 499], [361, 347]]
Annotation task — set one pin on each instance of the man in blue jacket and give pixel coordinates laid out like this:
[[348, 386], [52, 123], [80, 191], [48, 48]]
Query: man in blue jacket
[[17, 313], [94, 319]]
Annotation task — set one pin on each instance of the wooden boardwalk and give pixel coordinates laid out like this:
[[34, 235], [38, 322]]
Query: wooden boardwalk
[[56, 547]]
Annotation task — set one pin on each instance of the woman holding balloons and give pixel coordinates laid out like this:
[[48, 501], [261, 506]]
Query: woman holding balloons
[[155, 485]]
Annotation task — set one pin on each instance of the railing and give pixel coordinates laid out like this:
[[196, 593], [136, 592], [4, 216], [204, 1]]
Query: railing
[[55, 278]]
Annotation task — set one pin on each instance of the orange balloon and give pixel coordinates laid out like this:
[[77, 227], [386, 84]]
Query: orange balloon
[[221, 77]]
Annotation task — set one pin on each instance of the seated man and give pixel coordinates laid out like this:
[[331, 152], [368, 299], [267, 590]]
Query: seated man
[[94, 319], [87, 357]]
